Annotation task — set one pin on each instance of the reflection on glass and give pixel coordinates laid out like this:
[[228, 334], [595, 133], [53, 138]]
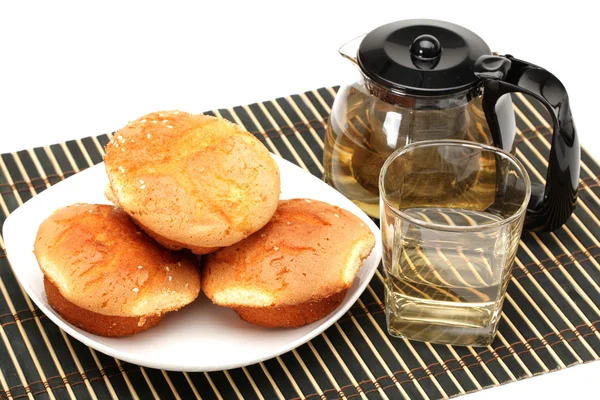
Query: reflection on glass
[[451, 218]]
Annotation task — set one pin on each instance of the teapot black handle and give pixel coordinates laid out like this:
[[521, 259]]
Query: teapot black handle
[[549, 207]]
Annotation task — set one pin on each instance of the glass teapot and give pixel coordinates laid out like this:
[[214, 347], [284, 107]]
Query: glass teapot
[[432, 80]]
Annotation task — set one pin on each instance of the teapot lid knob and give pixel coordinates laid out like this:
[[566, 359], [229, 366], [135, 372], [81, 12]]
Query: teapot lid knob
[[425, 51], [426, 47]]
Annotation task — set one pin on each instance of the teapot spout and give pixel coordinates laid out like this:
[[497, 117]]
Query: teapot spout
[[350, 49]]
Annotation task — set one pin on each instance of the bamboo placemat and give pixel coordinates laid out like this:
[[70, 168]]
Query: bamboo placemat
[[549, 321]]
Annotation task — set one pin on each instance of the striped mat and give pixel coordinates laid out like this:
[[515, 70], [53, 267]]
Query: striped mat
[[549, 321]]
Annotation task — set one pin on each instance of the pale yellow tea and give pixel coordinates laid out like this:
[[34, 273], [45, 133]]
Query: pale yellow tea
[[447, 287], [364, 130]]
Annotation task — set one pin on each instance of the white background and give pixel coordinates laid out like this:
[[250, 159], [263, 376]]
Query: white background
[[70, 70]]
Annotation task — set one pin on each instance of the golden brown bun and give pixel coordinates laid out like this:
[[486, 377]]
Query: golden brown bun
[[98, 324], [192, 181], [100, 261], [295, 270]]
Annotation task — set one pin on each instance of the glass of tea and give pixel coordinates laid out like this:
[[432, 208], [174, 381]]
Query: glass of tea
[[452, 213]]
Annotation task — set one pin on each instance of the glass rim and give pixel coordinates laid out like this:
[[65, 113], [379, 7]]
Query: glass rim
[[459, 143]]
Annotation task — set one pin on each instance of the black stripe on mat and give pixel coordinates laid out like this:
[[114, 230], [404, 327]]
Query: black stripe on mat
[[551, 311], [293, 139], [352, 363], [242, 382], [262, 119], [36, 180], [52, 376], [11, 284], [52, 174], [92, 150], [316, 371], [202, 385], [454, 366], [222, 384], [64, 164], [114, 375], [530, 337], [315, 120], [346, 386], [24, 193], [589, 198], [92, 372], [326, 95], [77, 154], [377, 369], [9, 370], [304, 128], [317, 105], [475, 367], [261, 381], [280, 378], [8, 196]]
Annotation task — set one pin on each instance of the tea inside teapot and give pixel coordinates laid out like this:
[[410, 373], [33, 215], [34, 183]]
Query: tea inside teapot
[[365, 129]]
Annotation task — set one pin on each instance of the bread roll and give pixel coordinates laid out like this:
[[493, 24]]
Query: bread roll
[[107, 277], [295, 270], [192, 181]]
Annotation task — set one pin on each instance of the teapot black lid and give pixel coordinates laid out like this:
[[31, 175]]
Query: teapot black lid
[[422, 56]]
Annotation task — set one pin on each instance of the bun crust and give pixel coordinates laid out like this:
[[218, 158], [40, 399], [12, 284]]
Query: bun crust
[[291, 316], [99, 261], [192, 181], [295, 270], [98, 324]]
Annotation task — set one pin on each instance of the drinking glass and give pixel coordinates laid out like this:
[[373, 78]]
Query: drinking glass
[[452, 213]]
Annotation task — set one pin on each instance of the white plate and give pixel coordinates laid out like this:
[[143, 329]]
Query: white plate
[[201, 336]]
